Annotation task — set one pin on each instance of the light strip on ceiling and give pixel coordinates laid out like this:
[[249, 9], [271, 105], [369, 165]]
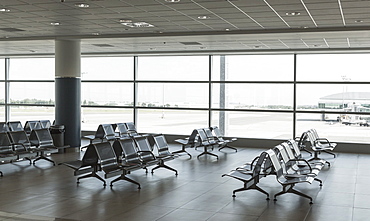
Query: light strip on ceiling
[[349, 44], [327, 44], [305, 43], [308, 12], [245, 14], [341, 12], [283, 43], [276, 12]]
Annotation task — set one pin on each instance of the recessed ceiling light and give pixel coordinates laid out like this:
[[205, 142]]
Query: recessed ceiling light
[[203, 17], [227, 29], [304, 27], [172, 1], [316, 46], [137, 24], [82, 5], [292, 13], [359, 21], [4, 10], [95, 33], [55, 23]]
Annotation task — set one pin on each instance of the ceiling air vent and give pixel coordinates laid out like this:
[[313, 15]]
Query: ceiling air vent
[[103, 45], [190, 43], [11, 29]]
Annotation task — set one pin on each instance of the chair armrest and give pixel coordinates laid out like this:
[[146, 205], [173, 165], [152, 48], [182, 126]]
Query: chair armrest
[[146, 151], [303, 160]]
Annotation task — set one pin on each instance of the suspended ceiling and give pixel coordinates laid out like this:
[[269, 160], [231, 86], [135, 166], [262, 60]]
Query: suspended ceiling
[[190, 26]]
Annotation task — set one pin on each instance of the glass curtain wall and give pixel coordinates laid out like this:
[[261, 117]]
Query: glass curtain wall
[[252, 96], [106, 91], [29, 90]]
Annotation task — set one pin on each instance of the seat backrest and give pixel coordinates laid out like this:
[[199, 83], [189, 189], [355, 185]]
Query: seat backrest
[[15, 126], [131, 126], [275, 163], [311, 138], [162, 145], [90, 158], [31, 125], [19, 140], [122, 130], [4, 127], [217, 131], [209, 133], [258, 166], [288, 150], [192, 138], [99, 133], [280, 150], [127, 148], [144, 149], [109, 132], [202, 135], [294, 146], [41, 138], [106, 155], [45, 123], [5, 144], [303, 140]]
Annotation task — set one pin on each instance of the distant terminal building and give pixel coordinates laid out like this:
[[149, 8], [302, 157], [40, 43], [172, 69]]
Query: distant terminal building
[[347, 101]]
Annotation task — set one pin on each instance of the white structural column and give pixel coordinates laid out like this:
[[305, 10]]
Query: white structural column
[[68, 89]]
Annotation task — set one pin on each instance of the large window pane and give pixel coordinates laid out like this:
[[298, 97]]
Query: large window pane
[[175, 68], [2, 92], [32, 92], [26, 113], [2, 69], [92, 117], [336, 127], [189, 95], [333, 67], [107, 68], [253, 68], [252, 96], [334, 97], [254, 124], [171, 121], [2, 113], [107, 94], [32, 69]]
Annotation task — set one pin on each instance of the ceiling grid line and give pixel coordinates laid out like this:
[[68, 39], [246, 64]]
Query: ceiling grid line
[[246, 14], [276, 13], [341, 12], [309, 13]]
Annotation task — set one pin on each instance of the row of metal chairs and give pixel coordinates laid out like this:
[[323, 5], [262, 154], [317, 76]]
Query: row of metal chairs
[[310, 141], [110, 132], [121, 157], [208, 138], [285, 161], [28, 127], [17, 146]]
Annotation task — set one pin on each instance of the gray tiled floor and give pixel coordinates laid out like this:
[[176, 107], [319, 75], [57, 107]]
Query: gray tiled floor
[[46, 192]]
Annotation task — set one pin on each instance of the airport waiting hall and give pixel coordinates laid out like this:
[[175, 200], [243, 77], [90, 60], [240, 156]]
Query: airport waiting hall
[[263, 72]]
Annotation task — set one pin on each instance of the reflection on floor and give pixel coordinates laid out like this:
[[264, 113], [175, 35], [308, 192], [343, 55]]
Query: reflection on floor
[[46, 192]]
